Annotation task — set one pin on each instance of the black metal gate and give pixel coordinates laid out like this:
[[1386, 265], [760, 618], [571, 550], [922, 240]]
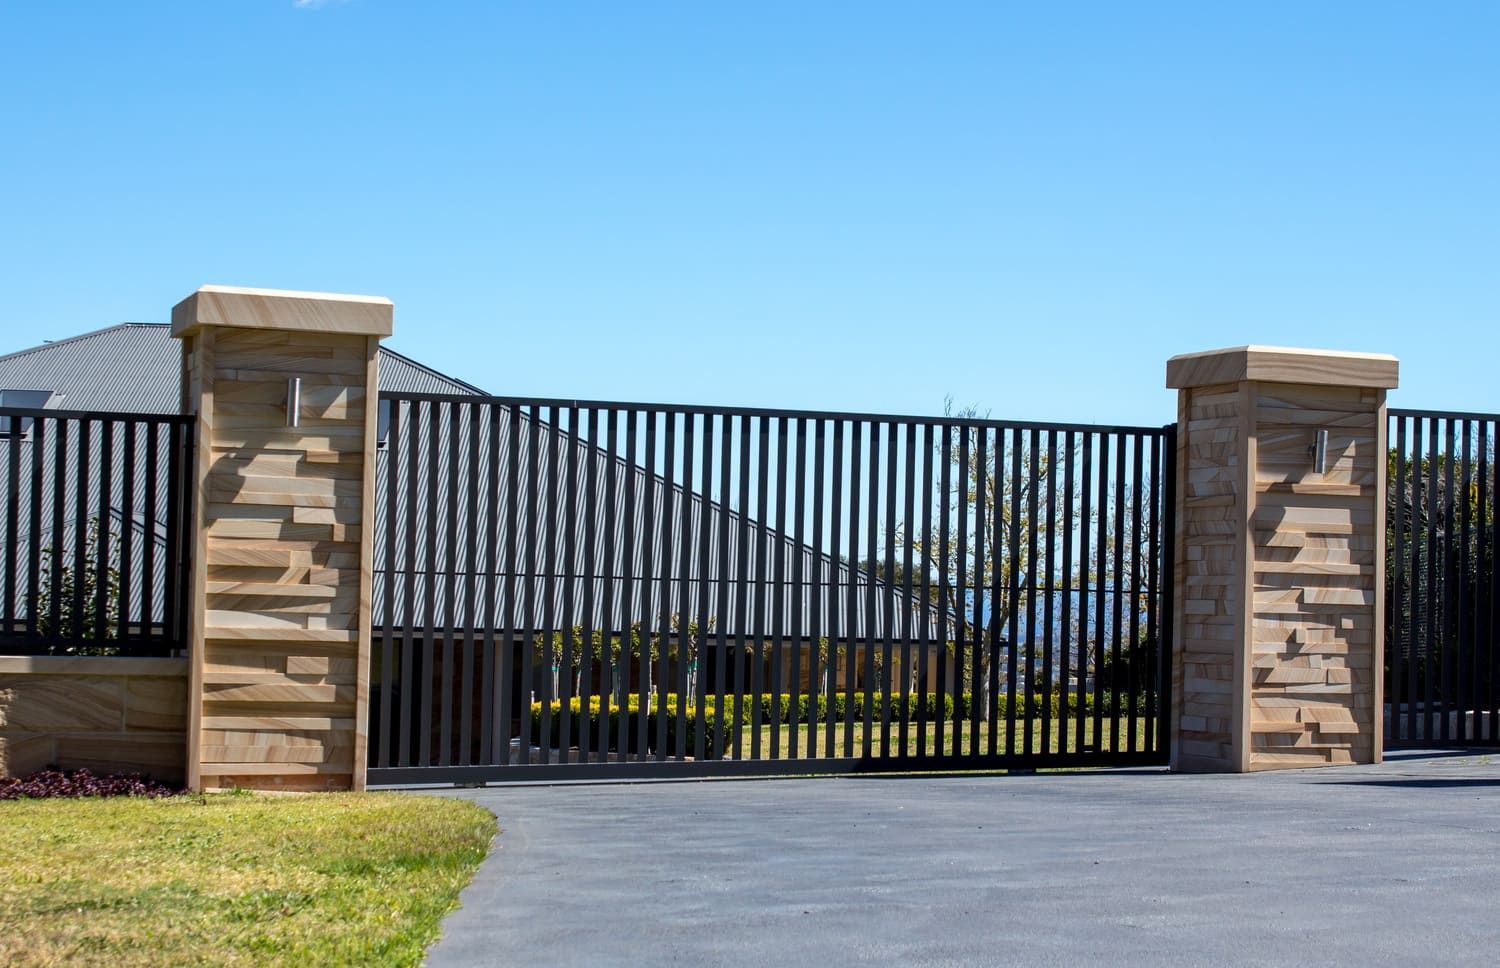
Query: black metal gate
[[94, 532], [1441, 661], [586, 589]]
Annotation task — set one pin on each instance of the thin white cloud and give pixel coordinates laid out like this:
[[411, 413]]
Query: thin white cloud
[[311, 4]]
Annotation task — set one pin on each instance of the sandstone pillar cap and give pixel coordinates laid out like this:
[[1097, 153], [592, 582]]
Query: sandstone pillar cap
[[285, 309], [1282, 364]]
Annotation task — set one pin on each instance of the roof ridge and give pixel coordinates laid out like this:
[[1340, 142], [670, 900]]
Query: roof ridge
[[71, 339], [437, 373]]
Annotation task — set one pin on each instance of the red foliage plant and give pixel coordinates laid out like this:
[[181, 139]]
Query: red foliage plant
[[81, 783]]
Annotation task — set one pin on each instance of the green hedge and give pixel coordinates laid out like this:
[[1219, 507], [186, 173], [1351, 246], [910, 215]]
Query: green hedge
[[782, 708]]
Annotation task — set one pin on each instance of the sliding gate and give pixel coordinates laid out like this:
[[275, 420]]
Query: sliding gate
[[1442, 586], [582, 589]]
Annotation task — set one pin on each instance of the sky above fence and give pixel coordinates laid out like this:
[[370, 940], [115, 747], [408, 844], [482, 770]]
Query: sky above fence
[[867, 207]]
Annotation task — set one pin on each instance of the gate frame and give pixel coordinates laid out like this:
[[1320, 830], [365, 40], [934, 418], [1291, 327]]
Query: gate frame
[[1158, 508]]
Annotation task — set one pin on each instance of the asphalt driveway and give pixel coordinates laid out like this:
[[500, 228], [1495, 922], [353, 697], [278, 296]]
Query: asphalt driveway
[[1392, 864]]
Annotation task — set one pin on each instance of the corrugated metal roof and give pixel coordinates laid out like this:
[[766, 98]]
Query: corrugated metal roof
[[666, 571], [132, 368], [137, 368], [129, 368]]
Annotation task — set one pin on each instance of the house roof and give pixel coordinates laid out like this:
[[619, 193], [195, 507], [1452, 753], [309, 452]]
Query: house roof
[[137, 368]]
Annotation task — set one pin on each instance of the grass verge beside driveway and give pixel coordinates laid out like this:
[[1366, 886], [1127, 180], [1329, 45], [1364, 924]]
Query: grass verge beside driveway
[[233, 878]]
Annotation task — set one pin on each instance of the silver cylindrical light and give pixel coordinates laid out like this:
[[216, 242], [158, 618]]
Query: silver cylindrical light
[[1320, 452], [293, 401]]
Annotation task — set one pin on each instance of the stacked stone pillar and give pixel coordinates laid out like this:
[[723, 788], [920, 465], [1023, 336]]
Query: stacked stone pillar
[[1279, 603], [284, 387]]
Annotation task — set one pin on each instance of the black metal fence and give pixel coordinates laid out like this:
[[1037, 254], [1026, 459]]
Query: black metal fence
[[569, 588], [92, 533], [1441, 590]]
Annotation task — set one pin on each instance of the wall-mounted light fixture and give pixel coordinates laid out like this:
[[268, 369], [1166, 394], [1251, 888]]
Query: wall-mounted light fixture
[[1319, 451], [293, 400]]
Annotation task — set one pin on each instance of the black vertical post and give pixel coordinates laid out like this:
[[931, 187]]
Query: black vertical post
[[887, 589], [1068, 694], [799, 636], [1016, 567], [10, 568], [34, 528], [410, 690], [685, 644], [960, 599], [744, 616], [553, 684], [668, 495], [99, 627], [1132, 656], [839, 637], [1484, 568], [1397, 626], [871, 640], [762, 599], [513, 688], [1118, 593], [56, 553], [1049, 593], [500, 596], [853, 638], [128, 617], [778, 591], [924, 628], [1168, 586], [451, 586], [631, 613], [1033, 449], [466, 454], [721, 638], [1463, 641], [568, 625], [586, 449], [1423, 502], [388, 589], [817, 659], [908, 612], [703, 639], [945, 596], [428, 573], [78, 560], [1101, 568], [1433, 646], [981, 628], [611, 629], [1447, 651], [650, 690], [526, 632], [1152, 645], [179, 510]]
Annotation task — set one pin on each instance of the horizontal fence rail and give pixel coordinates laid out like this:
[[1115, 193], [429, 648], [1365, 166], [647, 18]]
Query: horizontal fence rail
[[93, 553], [1441, 591], [576, 588]]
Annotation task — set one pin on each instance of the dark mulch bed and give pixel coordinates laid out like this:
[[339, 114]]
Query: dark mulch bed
[[82, 783]]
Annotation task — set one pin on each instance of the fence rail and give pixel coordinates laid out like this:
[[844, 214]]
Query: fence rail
[[93, 553], [1442, 583], [564, 587]]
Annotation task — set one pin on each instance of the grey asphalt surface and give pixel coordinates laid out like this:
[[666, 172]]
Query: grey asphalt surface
[[1393, 864]]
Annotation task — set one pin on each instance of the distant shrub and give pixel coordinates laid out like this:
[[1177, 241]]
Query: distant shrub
[[784, 709]]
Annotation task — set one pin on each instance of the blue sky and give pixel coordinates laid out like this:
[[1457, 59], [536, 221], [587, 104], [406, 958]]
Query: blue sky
[[852, 206]]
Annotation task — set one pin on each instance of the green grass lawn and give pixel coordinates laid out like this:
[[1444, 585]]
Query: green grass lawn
[[322, 879]]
